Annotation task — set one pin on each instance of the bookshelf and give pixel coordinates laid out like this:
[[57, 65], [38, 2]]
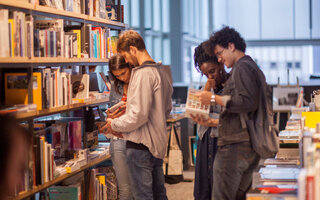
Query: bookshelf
[[47, 61], [60, 109], [39, 188], [30, 63], [62, 14]]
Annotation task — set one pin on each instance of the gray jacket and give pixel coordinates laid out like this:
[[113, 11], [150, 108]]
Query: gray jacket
[[148, 106], [242, 92]]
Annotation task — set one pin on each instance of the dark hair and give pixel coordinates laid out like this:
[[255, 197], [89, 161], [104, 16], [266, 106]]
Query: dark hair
[[223, 37], [200, 57], [117, 62], [130, 38], [10, 129]]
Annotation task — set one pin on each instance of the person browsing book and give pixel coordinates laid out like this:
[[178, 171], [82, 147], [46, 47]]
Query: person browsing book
[[235, 159], [207, 130], [15, 143], [120, 72], [144, 123]]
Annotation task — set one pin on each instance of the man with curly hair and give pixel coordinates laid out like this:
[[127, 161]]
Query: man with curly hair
[[235, 158]]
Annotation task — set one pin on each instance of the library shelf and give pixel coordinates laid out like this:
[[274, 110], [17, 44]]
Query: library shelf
[[55, 110], [56, 13], [50, 61], [39, 188]]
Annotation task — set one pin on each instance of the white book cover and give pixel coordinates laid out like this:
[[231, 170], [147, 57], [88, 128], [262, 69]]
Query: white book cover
[[91, 7], [64, 88], [4, 33], [194, 106], [60, 88], [80, 86]]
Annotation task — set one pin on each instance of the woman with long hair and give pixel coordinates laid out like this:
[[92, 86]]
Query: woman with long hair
[[207, 130], [120, 73]]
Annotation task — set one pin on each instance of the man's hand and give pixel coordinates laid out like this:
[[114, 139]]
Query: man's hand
[[107, 129], [210, 84], [117, 113], [205, 97], [208, 122]]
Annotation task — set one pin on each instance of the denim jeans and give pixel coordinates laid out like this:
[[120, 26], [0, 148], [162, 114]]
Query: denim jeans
[[119, 161], [146, 175], [232, 171]]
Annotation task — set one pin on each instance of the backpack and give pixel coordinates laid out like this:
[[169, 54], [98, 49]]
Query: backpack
[[262, 131]]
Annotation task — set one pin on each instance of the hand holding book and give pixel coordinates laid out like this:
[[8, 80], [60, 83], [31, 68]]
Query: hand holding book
[[113, 113], [107, 129]]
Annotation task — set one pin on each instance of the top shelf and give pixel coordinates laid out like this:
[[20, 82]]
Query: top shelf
[[55, 13]]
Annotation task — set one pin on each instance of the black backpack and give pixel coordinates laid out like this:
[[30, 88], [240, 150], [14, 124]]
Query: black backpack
[[263, 133]]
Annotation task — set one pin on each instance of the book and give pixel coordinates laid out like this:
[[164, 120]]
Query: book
[[80, 86], [194, 106], [74, 135], [4, 33], [72, 192], [16, 89]]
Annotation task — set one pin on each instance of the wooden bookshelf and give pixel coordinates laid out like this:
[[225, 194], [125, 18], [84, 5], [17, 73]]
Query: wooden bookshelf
[[50, 61], [39, 188], [56, 13], [60, 109]]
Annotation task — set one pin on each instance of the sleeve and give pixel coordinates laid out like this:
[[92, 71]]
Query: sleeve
[[246, 96], [138, 105]]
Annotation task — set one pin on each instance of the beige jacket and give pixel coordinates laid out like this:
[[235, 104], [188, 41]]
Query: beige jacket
[[148, 106]]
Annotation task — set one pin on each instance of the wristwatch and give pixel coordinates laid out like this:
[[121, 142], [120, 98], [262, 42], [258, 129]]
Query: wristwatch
[[213, 98]]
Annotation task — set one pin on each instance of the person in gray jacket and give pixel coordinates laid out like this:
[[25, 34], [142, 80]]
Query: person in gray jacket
[[235, 158], [144, 123]]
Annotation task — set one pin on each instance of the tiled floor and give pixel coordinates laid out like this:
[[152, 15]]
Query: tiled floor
[[182, 190]]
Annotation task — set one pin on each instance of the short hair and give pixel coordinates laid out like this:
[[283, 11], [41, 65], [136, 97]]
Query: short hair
[[223, 37], [130, 38], [200, 57]]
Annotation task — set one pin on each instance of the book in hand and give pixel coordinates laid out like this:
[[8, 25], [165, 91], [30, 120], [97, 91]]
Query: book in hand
[[194, 106]]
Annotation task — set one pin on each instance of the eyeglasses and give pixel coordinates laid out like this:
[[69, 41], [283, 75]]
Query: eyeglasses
[[218, 54]]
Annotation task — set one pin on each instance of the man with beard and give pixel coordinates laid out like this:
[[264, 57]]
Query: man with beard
[[144, 123]]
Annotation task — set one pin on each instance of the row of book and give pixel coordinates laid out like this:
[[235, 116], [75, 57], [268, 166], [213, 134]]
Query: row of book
[[102, 186], [22, 35], [51, 88], [104, 9], [52, 140], [57, 150]]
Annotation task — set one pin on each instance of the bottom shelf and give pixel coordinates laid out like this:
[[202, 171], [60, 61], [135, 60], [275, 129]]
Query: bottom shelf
[[39, 188]]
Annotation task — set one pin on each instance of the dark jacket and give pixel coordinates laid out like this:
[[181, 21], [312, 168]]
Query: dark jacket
[[243, 88]]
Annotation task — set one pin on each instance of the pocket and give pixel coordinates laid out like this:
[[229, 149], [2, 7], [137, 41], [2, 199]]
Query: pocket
[[224, 148]]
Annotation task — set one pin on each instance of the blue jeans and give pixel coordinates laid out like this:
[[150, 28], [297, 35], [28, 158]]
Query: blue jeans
[[119, 161], [232, 171], [146, 175]]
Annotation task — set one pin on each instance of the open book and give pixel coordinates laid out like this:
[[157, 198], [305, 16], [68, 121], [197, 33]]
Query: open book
[[194, 105]]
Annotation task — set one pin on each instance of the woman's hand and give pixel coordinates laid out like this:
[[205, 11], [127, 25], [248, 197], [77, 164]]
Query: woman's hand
[[210, 84], [208, 122], [117, 113]]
